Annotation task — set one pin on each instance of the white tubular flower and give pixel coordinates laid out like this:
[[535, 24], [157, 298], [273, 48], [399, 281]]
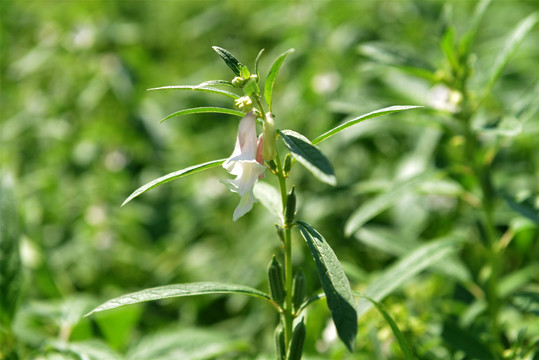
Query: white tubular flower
[[245, 163]]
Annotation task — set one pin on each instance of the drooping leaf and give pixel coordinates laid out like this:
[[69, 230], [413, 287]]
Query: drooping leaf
[[173, 176], [270, 198], [272, 75], [354, 121], [10, 260], [180, 290], [510, 48], [91, 349], [387, 54], [406, 268], [339, 295], [309, 156], [186, 344], [375, 206], [524, 208], [198, 88], [205, 109], [237, 67], [405, 347]]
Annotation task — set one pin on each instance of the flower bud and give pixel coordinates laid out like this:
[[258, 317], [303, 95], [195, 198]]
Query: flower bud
[[295, 348], [238, 82], [269, 152], [287, 164], [298, 290], [244, 103], [276, 282]]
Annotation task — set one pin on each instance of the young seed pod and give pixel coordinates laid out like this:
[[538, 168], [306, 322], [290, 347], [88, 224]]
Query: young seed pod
[[275, 280], [295, 349], [280, 232], [290, 212], [298, 290], [287, 165], [280, 348]]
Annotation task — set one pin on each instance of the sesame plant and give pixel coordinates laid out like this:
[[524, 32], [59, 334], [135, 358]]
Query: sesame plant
[[258, 154]]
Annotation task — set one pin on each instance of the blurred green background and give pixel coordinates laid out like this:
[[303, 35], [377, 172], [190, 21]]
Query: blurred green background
[[79, 133]]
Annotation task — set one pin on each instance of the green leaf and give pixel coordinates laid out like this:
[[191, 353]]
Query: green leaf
[[354, 121], [309, 155], [339, 295], [257, 60], [10, 260], [186, 344], [405, 348], [270, 198], [388, 54], [173, 176], [91, 349], [272, 75], [375, 206], [205, 109], [198, 88], [180, 290], [216, 82], [524, 208], [511, 46], [406, 268], [237, 67]]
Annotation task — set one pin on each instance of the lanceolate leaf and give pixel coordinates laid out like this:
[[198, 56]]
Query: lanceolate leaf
[[511, 46], [309, 155], [238, 68], [257, 60], [406, 268], [10, 261], [375, 206], [339, 295], [180, 290], [198, 88], [207, 109], [173, 176], [216, 82], [272, 75], [396, 331], [354, 121]]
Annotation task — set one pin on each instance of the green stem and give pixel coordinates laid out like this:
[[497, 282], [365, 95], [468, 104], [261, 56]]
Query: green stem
[[288, 273]]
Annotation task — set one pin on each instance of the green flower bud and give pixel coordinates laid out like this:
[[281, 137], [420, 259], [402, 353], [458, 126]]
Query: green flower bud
[[280, 348], [287, 164], [238, 82], [244, 103], [298, 290], [270, 148]]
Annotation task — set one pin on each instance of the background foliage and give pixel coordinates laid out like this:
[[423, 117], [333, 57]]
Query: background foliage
[[79, 133]]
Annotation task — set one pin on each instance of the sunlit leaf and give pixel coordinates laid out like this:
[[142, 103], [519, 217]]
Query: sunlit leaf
[[186, 344], [270, 197], [91, 349], [354, 121], [309, 156], [10, 260], [173, 176], [510, 48], [216, 82], [198, 88], [237, 67], [206, 109], [272, 75], [336, 286], [396, 331], [377, 205], [405, 268], [180, 290]]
